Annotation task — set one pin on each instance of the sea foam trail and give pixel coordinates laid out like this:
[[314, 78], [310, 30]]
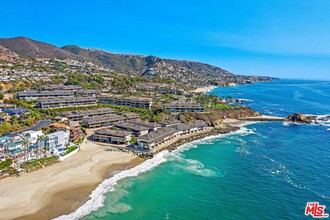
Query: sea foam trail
[[97, 197]]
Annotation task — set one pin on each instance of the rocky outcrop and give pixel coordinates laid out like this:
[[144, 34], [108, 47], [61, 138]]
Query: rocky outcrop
[[214, 117], [300, 118]]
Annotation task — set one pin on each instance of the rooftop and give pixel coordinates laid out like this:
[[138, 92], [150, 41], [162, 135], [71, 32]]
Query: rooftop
[[117, 133], [158, 135], [145, 123], [130, 126]]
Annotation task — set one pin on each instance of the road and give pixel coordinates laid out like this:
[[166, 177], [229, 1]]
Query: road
[[42, 123]]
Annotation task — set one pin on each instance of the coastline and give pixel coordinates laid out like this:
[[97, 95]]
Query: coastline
[[69, 185], [61, 188], [205, 89]]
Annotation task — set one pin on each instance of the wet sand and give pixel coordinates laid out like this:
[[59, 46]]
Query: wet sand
[[61, 188]]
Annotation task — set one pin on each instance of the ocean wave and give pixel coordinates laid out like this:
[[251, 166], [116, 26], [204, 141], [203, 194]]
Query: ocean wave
[[97, 197], [195, 167]]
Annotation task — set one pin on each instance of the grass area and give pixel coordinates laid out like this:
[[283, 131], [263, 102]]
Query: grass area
[[70, 149], [5, 164], [37, 163], [221, 106], [133, 140]]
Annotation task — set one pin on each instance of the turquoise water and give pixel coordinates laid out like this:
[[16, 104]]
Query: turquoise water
[[265, 171]]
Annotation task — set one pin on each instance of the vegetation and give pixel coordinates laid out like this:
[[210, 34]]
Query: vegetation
[[70, 149], [221, 106], [5, 164], [133, 140], [39, 163]]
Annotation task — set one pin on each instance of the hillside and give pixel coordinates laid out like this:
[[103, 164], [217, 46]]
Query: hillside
[[150, 66], [28, 48]]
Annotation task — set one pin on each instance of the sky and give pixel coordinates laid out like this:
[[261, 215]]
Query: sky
[[280, 38]]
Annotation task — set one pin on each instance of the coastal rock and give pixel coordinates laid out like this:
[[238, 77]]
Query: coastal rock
[[300, 118]]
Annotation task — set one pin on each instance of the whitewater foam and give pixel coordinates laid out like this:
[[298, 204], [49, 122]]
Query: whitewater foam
[[97, 197]]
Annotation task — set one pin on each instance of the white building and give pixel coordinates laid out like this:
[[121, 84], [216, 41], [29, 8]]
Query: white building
[[32, 136], [55, 141]]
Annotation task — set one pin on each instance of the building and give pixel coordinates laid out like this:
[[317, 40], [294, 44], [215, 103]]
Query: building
[[130, 115], [164, 134], [155, 138], [4, 117], [66, 102], [112, 136], [75, 132], [80, 115], [61, 87], [31, 136], [17, 112], [14, 149], [102, 121], [35, 95], [88, 92], [54, 141], [137, 130], [134, 102], [190, 127], [151, 125], [169, 123], [184, 107], [5, 106]]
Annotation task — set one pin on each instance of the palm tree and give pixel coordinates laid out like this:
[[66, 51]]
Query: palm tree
[[26, 146]]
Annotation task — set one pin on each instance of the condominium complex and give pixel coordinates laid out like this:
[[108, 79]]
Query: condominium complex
[[134, 102], [184, 107], [83, 114], [112, 136], [137, 130], [66, 102], [101, 121], [35, 95]]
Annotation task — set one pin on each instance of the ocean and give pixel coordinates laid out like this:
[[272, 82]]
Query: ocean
[[265, 170]]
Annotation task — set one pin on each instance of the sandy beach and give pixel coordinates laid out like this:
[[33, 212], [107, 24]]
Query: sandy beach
[[61, 188], [205, 89]]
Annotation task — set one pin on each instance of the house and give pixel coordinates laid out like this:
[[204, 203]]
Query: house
[[4, 117], [155, 138], [134, 102], [151, 125], [3, 141], [17, 112], [74, 132], [5, 106], [137, 130], [14, 149], [54, 141], [112, 136], [184, 107], [31, 136]]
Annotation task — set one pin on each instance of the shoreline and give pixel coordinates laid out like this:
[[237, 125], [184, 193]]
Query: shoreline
[[205, 89], [63, 187], [67, 198]]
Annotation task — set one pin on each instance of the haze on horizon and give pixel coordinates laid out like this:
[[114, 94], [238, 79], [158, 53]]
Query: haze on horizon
[[286, 39]]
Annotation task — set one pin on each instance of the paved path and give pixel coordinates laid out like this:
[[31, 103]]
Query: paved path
[[42, 123]]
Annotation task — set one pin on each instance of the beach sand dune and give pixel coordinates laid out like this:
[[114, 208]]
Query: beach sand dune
[[61, 188]]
